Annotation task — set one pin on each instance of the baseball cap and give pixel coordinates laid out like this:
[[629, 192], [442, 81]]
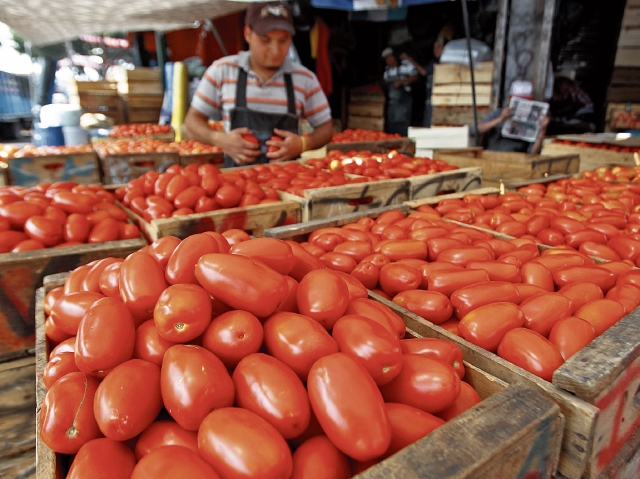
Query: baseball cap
[[264, 17], [386, 52]]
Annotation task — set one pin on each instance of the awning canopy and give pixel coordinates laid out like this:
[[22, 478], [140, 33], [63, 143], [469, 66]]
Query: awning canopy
[[357, 5], [44, 22]]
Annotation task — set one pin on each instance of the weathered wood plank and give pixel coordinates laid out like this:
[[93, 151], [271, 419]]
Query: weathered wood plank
[[20, 466], [444, 73], [119, 169], [426, 186], [590, 158], [17, 407], [29, 171]]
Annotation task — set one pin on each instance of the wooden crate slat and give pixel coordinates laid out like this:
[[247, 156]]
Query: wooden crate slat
[[119, 169], [143, 101], [366, 122], [202, 158], [374, 109], [29, 171], [590, 158], [141, 88], [628, 57], [425, 186], [404, 145], [461, 89], [461, 99], [454, 73]]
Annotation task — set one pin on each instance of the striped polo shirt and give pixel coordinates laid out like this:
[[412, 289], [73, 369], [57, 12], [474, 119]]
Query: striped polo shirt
[[216, 93]]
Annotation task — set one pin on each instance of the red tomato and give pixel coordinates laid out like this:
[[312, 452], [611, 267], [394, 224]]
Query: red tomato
[[103, 459], [487, 325], [163, 248], [628, 295], [297, 341], [165, 433], [175, 186], [446, 281], [379, 313], [530, 351], [318, 458], [228, 195], [106, 337], [239, 443], [51, 297], [538, 275], [149, 345], [66, 417], [27, 245], [498, 271], [76, 228], [601, 314], [441, 349], [45, 230], [338, 262], [465, 255], [268, 387], [401, 249], [626, 247], [68, 310], [425, 383], [193, 383], [8, 239], [367, 273], [323, 296], [74, 281], [223, 243], [349, 406], [601, 277], [232, 336], [358, 250], [398, 277], [91, 281], [74, 202], [169, 461], [580, 293], [630, 277], [468, 298], [181, 264], [19, 212], [467, 398], [141, 283], [570, 335], [58, 366], [303, 263], [183, 312], [408, 424], [430, 305], [543, 311], [109, 280], [273, 252]]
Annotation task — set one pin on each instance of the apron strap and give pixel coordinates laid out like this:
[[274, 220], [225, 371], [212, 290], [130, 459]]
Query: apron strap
[[241, 89], [291, 99]]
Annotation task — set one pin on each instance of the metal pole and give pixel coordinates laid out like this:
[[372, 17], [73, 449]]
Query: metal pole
[[465, 17], [161, 53], [214, 30]]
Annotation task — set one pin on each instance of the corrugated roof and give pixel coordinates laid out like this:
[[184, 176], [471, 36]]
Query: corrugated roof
[[50, 21]]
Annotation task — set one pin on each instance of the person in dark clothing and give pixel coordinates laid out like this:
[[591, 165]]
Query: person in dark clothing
[[398, 77]]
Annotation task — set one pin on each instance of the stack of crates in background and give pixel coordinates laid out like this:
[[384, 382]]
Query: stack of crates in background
[[451, 96], [366, 108], [142, 93], [98, 97]]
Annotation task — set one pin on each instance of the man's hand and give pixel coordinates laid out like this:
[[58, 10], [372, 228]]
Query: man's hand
[[242, 151], [544, 122], [289, 148], [505, 113], [397, 84]]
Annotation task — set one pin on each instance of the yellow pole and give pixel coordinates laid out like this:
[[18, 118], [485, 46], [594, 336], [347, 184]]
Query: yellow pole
[[180, 94]]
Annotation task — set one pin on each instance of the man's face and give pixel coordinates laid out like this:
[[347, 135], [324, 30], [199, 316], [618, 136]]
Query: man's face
[[390, 60], [269, 50]]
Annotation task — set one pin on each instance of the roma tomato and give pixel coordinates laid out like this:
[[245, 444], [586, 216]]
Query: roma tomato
[[193, 383], [408, 424], [74, 281], [68, 310], [601, 277], [628, 295], [355, 287], [232, 336], [105, 230], [581, 293], [358, 250], [51, 297], [367, 273], [430, 305], [318, 458], [303, 263], [273, 252], [530, 351], [398, 277], [165, 433], [377, 349], [239, 443], [183, 312], [467, 398], [106, 337], [242, 283], [349, 406], [601, 314], [468, 298], [323, 296], [297, 340], [109, 280], [498, 271], [170, 461], [465, 255], [149, 345], [425, 383], [447, 281], [66, 417], [91, 281], [58, 366], [103, 459], [268, 387], [163, 248], [45, 230], [141, 283], [441, 349], [338, 262], [542, 312], [538, 275], [570, 335], [401, 249], [487, 325], [18, 213], [379, 313], [181, 264]]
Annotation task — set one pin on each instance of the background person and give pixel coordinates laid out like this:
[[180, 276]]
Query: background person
[[260, 92], [398, 77]]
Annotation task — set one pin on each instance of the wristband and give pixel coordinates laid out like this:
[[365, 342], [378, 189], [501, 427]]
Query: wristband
[[304, 143]]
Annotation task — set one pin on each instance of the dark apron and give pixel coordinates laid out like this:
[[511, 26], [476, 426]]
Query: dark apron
[[261, 124]]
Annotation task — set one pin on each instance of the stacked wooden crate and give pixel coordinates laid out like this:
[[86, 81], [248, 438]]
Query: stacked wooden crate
[[366, 109], [98, 97], [142, 93], [451, 96]]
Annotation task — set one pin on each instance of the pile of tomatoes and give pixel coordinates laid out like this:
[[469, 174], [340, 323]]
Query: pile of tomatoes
[[599, 146], [534, 309], [192, 147], [614, 174], [359, 134], [139, 129], [30, 150], [219, 355], [123, 147], [59, 214], [190, 189], [380, 166]]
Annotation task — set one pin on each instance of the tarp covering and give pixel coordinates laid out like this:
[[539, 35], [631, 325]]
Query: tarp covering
[[357, 5], [50, 21]]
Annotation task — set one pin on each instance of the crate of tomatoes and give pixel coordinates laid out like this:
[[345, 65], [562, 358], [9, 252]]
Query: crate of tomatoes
[[375, 141], [134, 131], [192, 151], [595, 150], [554, 318], [46, 229], [183, 201], [31, 165], [225, 356], [123, 160], [426, 177]]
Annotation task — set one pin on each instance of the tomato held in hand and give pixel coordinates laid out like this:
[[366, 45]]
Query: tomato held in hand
[[103, 459], [349, 406], [171, 461], [530, 351]]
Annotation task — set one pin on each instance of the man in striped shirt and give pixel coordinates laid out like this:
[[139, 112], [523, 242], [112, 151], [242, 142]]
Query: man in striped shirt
[[261, 93]]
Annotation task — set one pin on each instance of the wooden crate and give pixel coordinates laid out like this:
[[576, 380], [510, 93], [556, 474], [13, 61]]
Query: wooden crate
[[500, 166], [446, 73], [366, 122], [628, 54], [98, 99], [137, 74], [590, 158], [456, 115], [143, 115], [513, 432], [143, 101], [425, 186], [461, 99], [119, 169], [93, 86], [623, 116], [18, 402], [320, 203], [367, 108], [254, 218], [22, 273], [203, 158], [29, 171], [594, 388], [406, 146], [140, 88]]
